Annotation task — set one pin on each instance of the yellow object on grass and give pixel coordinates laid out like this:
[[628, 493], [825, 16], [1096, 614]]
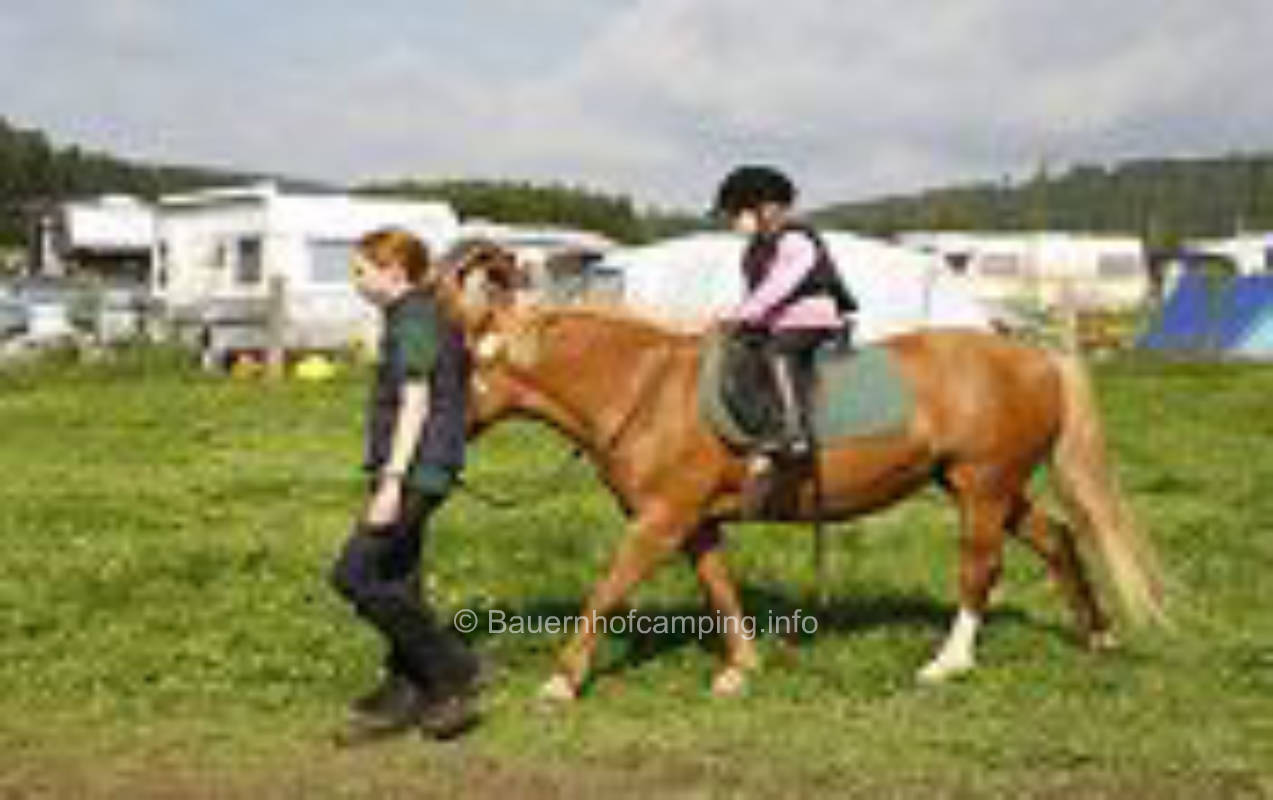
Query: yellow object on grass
[[315, 368]]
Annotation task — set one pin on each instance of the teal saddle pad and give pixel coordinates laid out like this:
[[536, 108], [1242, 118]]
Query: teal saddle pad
[[856, 393]]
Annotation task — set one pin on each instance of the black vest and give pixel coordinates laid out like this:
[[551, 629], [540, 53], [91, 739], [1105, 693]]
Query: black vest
[[823, 279], [442, 441]]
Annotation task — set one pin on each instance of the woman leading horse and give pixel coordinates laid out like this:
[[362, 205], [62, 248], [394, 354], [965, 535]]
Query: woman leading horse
[[987, 412]]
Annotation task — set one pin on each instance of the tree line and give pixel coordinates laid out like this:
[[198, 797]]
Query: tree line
[[1161, 200], [614, 215], [525, 203], [35, 174]]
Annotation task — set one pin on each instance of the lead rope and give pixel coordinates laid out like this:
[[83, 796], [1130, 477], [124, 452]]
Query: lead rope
[[506, 503]]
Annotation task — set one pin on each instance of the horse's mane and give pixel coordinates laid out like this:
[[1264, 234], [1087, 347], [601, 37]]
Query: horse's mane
[[648, 323], [688, 331]]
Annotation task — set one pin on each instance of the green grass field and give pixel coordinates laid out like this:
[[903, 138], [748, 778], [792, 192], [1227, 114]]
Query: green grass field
[[166, 629]]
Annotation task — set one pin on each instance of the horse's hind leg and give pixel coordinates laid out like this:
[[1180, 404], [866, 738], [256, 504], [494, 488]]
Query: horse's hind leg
[[721, 594], [1053, 540], [984, 514]]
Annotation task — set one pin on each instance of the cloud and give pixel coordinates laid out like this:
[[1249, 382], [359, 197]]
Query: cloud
[[651, 97]]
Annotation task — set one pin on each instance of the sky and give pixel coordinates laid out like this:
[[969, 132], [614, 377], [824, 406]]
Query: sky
[[655, 99]]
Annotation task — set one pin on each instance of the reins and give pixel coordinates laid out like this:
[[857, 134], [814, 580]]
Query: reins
[[645, 388]]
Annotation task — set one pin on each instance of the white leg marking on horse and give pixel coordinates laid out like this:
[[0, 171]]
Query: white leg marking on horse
[[956, 655], [1103, 640], [729, 682], [557, 689]]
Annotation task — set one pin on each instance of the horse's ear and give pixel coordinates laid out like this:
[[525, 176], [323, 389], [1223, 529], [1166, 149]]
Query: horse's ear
[[497, 264], [481, 277]]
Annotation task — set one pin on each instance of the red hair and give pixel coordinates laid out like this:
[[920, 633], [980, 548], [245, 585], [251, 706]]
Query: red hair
[[389, 247]]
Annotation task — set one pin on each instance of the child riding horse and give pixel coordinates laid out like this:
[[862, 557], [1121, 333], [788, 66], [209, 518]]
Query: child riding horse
[[795, 300]]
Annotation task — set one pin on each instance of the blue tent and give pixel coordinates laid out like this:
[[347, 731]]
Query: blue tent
[[1184, 321], [1205, 315], [1257, 341], [1241, 306]]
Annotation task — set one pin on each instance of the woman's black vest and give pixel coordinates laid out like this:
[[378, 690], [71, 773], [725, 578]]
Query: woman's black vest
[[823, 279], [442, 440]]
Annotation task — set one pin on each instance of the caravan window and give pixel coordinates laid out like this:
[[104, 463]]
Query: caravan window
[[958, 262], [603, 283], [247, 264], [329, 261], [999, 265]]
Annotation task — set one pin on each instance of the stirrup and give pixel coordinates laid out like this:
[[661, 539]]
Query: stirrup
[[799, 448], [760, 462], [790, 447], [758, 485]]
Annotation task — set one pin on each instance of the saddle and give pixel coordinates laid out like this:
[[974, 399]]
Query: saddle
[[856, 393]]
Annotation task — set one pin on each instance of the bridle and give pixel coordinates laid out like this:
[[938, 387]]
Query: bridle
[[540, 488]]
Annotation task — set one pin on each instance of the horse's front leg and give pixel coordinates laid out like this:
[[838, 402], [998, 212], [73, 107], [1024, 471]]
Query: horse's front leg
[[704, 550], [653, 536]]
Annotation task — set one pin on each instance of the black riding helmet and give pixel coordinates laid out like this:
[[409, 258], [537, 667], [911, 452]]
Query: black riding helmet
[[751, 186]]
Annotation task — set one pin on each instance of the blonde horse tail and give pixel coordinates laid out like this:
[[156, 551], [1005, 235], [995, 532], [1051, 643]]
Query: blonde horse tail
[[1089, 491]]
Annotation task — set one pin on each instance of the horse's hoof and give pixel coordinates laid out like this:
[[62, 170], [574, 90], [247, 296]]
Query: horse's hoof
[[557, 690], [729, 682], [940, 671], [1102, 641]]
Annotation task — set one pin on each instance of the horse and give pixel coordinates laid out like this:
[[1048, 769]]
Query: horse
[[987, 412]]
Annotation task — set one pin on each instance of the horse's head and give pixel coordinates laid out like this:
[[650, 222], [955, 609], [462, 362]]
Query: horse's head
[[481, 280], [481, 290]]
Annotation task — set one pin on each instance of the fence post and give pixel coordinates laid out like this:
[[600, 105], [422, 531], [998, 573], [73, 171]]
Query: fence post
[[276, 327]]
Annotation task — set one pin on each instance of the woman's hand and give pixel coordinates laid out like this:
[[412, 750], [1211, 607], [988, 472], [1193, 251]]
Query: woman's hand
[[385, 503]]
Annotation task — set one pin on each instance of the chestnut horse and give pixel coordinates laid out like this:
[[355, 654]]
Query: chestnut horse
[[987, 411]]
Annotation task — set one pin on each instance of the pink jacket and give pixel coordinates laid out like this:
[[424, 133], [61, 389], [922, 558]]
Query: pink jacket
[[793, 258]]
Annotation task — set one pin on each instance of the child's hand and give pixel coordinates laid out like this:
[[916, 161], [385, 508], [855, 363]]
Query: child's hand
[[385, 503]]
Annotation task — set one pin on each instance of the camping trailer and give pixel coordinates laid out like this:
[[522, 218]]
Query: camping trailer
[[1044, 269], [555, 258], [111, 236], [219, 252]]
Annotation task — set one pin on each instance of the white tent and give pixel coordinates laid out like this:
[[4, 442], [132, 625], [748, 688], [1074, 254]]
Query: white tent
[[693, 278]]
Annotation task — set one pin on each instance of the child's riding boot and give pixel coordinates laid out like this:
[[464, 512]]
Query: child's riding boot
[[794, 441]]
